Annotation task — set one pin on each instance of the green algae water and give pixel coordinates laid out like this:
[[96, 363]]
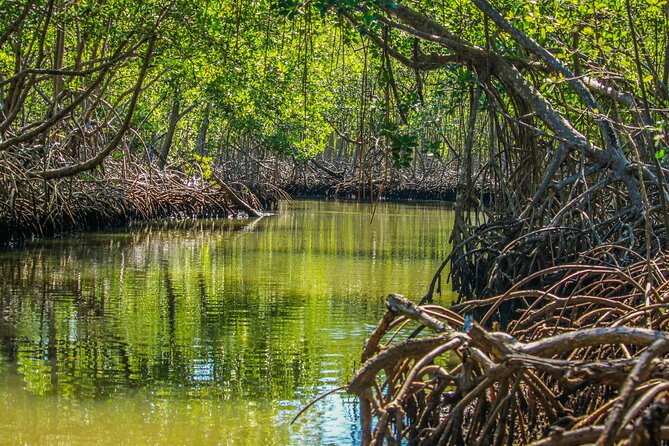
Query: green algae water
[[205, 332]]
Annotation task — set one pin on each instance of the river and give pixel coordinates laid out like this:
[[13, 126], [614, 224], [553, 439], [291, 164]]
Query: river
[[205, 332]]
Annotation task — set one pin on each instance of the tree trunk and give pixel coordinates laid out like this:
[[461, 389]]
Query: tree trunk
[[167, 141], [201, 145], [96, 160], [17, 81], [59, 51], [463, 199]]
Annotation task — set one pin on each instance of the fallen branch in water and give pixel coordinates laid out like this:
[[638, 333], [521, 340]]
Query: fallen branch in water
[[232, 196]]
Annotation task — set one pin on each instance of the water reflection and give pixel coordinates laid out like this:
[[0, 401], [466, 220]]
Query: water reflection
[[204, 332]]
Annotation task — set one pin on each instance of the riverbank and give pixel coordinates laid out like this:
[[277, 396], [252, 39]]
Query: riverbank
[[122, 192], [446, 194], [116, 196], [331, 175]]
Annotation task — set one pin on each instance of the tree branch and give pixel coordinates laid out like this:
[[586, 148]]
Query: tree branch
[[96, 160]]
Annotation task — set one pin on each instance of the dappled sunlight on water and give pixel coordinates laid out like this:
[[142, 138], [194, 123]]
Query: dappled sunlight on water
[[206, 332]]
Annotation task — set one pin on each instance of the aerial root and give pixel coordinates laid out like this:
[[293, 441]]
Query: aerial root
[[32, 207], [584, 361]]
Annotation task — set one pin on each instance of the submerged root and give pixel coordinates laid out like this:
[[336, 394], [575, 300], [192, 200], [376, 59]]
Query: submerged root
[[584, 361]]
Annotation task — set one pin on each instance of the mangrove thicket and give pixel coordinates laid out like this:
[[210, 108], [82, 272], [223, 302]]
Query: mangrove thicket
[[544, 121]]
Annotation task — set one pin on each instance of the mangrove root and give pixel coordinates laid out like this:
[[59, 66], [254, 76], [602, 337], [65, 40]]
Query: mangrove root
[[584, 361]]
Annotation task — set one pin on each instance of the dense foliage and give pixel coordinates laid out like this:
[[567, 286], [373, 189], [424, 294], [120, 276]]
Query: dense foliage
[[549, 115], [566, 118], [222, 77]]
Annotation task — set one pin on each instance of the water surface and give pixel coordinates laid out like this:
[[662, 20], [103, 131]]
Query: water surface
[[205, 332]]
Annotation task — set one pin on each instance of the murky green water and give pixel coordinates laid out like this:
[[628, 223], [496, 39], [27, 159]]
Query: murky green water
[[205, 332]]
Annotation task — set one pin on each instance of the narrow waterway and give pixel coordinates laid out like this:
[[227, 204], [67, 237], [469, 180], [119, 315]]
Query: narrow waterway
[[207, 332]]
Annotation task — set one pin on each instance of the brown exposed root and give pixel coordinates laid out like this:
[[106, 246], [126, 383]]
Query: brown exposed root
[[338, 173], [121, 192], [585, 360], [427, 178]]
